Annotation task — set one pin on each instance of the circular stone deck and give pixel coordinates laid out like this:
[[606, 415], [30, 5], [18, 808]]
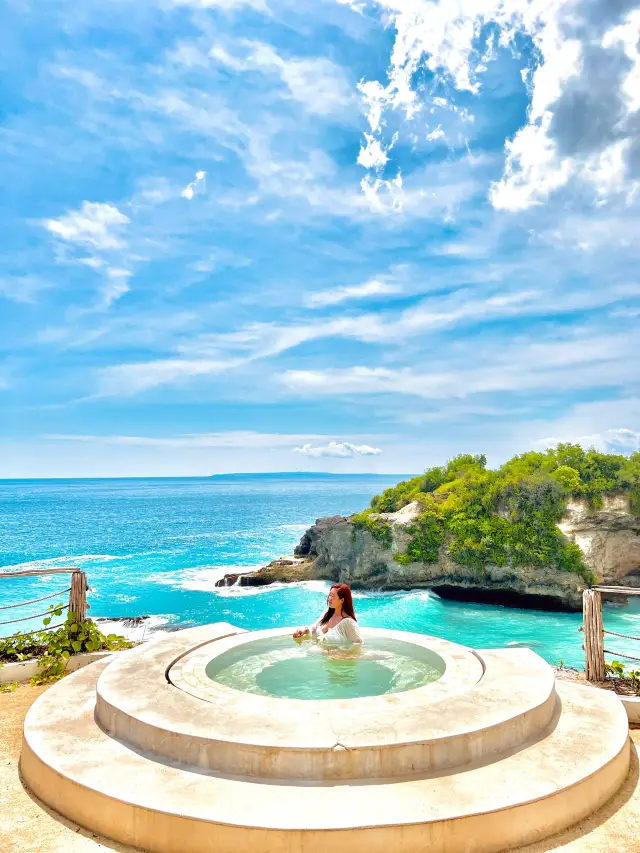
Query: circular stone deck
[[498, 763]]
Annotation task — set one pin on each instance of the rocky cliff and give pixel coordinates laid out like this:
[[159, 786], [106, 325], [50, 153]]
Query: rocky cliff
[[336, 549]]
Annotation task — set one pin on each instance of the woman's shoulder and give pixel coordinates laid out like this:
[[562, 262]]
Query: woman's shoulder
[[349, 620]]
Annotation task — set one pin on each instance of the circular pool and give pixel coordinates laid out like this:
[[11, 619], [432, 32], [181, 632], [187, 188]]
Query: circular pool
[[279, 666]]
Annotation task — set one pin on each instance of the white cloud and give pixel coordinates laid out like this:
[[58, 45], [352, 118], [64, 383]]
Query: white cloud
[[336, 295], [316, 82], [96, 224], [197, 185], [93, 263], [338, 449], [233, 438], [583, 122], [225, 5], [373, 155], [555, 364], [609, 441], [436, 133], [116, 285], [124, 380]]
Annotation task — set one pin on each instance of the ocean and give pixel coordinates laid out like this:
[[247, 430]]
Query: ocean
[[157, 546]]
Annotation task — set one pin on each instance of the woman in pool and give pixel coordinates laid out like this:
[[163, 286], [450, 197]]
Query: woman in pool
[[338, 624]]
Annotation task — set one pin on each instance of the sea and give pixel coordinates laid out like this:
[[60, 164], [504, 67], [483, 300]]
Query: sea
[[156, 547]]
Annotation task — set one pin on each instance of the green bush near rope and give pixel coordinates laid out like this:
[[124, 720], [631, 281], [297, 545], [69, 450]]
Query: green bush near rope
[[54, 648]]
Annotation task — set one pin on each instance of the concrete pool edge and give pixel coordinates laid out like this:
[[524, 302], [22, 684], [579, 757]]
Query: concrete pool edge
[[463, 669], [513, 798], [509, 697]]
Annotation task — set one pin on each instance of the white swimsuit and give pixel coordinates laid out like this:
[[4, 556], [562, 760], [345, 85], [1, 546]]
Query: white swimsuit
[[346, 632]]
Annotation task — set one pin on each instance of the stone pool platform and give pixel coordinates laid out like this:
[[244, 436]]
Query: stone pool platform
[[144, 750]]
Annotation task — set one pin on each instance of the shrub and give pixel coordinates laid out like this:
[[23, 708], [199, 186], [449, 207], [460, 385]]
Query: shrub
[[376, 526], [508, 516], [427, 536], [54, 648]]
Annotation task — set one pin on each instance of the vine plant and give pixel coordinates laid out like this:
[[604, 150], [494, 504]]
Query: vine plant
[[54, 648]]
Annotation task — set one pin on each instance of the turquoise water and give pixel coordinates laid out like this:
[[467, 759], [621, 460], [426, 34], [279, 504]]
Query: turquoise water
[[158, 546], [281, 667]]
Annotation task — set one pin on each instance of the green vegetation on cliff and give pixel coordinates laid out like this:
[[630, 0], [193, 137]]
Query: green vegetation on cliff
[[508, 516]]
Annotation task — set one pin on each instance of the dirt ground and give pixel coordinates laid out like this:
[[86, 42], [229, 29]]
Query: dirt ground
[[26, 826]]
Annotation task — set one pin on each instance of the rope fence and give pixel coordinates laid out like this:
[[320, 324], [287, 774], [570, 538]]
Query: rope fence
[[626, 636], [34, 615], [77, 602], [594, 632], [621, 655], [34, 601], [36, 631]]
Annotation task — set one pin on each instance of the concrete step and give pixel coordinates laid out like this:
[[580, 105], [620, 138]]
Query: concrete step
[[493, 701], [71, 764]]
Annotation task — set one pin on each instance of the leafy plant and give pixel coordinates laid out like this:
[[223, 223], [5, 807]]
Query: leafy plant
[[427, 536], [54, 648], [376, 526], [508, 516], [615, 669]]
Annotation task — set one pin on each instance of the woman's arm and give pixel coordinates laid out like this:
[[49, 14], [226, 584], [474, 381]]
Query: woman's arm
[[307, 630]]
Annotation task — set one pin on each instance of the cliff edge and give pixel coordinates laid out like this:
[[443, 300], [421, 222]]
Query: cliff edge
[[337, 548]]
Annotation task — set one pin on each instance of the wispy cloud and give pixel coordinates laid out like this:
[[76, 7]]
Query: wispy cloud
[[334, 296], [116, 285], [124, 380], [95, 224], [315, 82], [338, 449], [224, 5], [197, 185], [610, 441], [232, 438], [553, 365]]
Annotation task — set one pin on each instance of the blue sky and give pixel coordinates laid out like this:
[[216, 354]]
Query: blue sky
[[252, 235]]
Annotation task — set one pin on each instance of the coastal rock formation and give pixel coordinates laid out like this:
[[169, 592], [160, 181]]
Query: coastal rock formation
[[608, 538], [336, 549]]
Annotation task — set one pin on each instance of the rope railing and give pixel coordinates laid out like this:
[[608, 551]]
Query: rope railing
[[35, 615], [594, 632], [626, 636], [34, 601], [620, 655], [77, 603], [35, 631]]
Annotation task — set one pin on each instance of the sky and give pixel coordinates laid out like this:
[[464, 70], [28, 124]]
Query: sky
[[265, 235]]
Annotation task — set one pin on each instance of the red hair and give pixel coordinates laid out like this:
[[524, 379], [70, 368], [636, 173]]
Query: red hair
[[344, 594]]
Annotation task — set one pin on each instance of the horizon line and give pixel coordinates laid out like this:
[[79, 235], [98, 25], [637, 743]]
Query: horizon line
[[213, 476]]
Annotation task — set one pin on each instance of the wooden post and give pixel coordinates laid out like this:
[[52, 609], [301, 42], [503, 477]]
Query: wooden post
[[593, 635], [78, 596]]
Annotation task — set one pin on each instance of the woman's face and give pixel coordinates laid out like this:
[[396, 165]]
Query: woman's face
[[334, 598]]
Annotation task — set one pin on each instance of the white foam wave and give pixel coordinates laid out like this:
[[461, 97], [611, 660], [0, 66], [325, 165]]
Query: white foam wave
[[240, 591], [61, 562], [149, 628], [202, 579]]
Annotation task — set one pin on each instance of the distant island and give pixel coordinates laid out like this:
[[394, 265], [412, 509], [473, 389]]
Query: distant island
[[287, 475]]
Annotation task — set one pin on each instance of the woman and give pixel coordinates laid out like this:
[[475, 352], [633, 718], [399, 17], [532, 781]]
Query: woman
[[338, 625]]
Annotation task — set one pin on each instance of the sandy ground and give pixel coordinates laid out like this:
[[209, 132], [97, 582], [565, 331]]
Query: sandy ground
[[26, 826]]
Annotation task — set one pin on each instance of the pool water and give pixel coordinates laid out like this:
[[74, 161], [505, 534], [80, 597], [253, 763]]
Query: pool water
[[281, 667]]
